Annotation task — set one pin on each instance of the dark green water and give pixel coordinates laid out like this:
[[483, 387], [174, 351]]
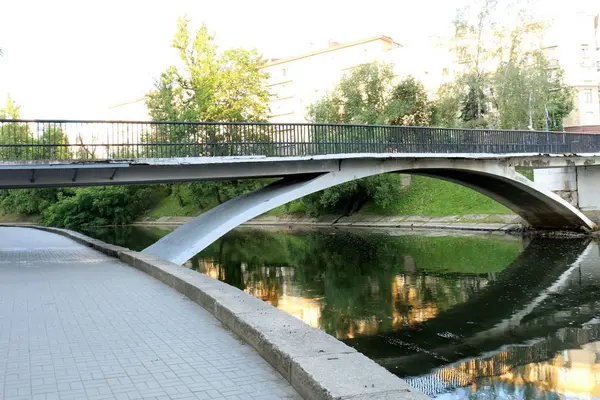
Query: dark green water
[[456, 316]]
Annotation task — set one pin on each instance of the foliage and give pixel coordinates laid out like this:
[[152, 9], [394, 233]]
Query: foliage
[[361, 97], [27, 201], [445, 109], [204, 194], [365, 96], [506, 81], [523, 88], [98, 206], [14, 133], [474, 106], [409, 104], [225, 87], [350, 197]]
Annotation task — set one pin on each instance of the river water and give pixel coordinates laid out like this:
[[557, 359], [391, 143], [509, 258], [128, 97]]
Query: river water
[[467, 316]]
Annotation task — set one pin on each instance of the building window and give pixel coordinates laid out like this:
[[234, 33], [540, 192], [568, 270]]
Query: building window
[[585, 51], [588, 96]]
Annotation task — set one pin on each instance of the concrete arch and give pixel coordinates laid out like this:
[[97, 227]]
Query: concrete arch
[[496, 179]]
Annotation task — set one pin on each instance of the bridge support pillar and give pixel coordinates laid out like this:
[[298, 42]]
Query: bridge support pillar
[[561, 181]]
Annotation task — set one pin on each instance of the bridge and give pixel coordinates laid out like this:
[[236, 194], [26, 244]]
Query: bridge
[[307, 158]]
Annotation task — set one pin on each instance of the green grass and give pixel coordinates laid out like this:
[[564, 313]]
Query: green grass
[[438, 198], [425, 196], [169, 207], [527, 173], [293, 207], [18, 218]]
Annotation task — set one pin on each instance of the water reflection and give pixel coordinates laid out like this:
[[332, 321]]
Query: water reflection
[[494, 317]]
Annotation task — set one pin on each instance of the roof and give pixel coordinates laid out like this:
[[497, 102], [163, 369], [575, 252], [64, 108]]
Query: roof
[[334, 48]]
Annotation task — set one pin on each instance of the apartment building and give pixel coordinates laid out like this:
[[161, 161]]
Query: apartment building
[[297, 82], [572, 41]]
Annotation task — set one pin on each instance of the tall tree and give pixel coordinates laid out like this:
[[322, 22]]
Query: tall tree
[[446, 107], [367, 96], [409, 104], [228, 86], [14, 133], [359, 98]]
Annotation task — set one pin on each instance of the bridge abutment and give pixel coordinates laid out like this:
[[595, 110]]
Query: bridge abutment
[[577, 185]]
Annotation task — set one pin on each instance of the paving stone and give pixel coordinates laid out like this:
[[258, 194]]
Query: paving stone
[[98, 329]]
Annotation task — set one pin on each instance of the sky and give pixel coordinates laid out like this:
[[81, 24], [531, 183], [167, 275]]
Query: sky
[[73, 59]]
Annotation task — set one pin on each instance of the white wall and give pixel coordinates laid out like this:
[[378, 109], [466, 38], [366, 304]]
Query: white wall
[[555, 179], [588, 184]]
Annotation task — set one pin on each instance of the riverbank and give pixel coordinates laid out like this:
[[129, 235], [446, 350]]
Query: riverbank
[[475, 222]]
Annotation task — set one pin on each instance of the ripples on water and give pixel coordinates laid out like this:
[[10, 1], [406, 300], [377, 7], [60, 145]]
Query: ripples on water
[[456, 316]]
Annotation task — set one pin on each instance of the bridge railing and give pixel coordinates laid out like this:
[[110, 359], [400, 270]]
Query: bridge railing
[[33, 140]]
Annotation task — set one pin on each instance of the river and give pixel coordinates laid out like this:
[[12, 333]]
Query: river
[[457, 316]]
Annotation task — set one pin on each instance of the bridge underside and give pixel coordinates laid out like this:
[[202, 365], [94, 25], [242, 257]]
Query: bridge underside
[[498, 180]]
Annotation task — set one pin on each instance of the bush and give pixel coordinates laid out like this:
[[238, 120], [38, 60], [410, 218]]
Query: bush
[[350, 197], [99, 206], [27, 201]]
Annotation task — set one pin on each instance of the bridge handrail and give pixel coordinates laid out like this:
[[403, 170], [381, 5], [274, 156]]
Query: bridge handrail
[[57, 140], [266, 123]]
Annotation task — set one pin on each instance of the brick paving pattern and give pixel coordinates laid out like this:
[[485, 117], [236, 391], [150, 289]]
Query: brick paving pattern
[[76, 324]]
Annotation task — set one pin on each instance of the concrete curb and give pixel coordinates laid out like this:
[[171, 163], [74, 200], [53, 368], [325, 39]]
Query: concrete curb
[[317, 365], [399, 222]]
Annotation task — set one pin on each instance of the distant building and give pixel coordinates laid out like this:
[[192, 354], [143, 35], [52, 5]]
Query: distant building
[[297, 82], [572, 41]]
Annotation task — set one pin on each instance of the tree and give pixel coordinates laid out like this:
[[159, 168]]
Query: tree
[[474, 107], [14, 133], [55, 144], [473, 50], [446, 108], [409, 104], [359, 98], [227, 87], [366, 96], [210, 87], [524, 85]]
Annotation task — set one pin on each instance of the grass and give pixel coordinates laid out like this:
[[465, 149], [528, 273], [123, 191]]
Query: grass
[[293, 207], [18, 218], [169, 207], [425, 196], [438, 198]]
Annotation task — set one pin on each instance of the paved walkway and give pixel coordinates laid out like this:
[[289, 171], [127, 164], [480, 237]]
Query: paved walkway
[[76, 324]]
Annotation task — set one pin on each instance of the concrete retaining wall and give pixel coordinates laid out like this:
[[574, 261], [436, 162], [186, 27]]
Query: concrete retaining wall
[[316, 364]]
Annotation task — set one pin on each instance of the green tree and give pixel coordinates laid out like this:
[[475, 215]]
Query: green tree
[[409, 104], [446, 108], [55, 144], [474, 107], [362, 97], [366, 96], [211, 87], [14, 133], [524, 85], [226, 87]]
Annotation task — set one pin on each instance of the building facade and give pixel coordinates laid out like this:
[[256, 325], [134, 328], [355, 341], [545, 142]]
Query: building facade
[[297, 82], [571, 41]]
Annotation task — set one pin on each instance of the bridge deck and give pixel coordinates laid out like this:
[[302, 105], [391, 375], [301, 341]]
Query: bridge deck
[[77, 324]]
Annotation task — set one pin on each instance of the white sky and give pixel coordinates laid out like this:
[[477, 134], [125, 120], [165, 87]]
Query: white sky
[[73, 59]]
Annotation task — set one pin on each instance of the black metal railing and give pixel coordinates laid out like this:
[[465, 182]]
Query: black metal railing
[[112, 140]]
